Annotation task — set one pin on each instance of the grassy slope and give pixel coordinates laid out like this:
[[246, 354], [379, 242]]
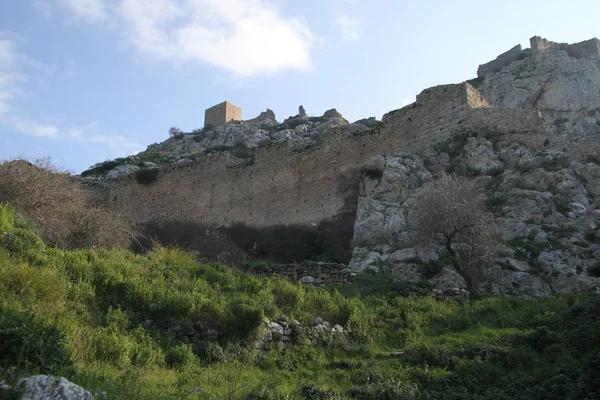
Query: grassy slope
[[80, 314]]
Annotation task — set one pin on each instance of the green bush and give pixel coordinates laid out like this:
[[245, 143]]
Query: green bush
[[179, 356], [31, 345], [146, 176]]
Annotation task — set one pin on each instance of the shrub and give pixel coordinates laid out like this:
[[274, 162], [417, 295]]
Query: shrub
[[179, 356], [146, 176], [59, 207], [175, 132], [30, 344]]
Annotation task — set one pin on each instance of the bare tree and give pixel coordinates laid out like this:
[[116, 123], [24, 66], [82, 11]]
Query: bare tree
[[450, 214], [174, 132], [61, 210]]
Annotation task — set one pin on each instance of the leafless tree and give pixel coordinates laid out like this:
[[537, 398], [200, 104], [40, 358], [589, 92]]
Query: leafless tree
[[451, 214], [61, 210], [174, 132]]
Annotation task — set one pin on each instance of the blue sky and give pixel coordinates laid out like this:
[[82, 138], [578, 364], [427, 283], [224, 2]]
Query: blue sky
[[83, 81]]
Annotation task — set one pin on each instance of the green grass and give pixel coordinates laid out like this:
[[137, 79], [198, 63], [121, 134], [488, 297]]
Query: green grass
[[84, 315]]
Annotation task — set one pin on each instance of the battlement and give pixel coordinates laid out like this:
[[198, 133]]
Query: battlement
[[221, 114]]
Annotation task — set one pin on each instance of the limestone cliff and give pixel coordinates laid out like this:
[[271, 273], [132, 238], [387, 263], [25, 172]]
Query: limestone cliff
[[546, 199]]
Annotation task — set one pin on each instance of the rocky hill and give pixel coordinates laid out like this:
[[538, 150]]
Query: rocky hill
[[527, 130]]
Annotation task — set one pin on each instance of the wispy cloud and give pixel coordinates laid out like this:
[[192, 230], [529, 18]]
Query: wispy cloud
[[244, 37], [12, 79], [348, 26], [45, 7], [88, 10]]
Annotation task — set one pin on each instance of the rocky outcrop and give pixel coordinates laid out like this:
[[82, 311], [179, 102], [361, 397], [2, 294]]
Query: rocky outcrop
[[265, 118], [545, 202], [240, 139], [44, 387], [285, 332], [561, 81]]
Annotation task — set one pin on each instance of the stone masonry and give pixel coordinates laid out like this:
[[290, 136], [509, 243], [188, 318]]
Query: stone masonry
[[308, 272], [221, 114], [286, 187]]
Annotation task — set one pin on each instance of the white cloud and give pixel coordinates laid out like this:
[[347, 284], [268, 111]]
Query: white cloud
[[9, 76], [120, 145], [348, 26], [89, 10], [245, 37], [12, 78], [44, 7], [30, 127]]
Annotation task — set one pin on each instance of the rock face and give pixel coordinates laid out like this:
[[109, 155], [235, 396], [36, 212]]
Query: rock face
[[43, 387], [546, 204], [560, 81]]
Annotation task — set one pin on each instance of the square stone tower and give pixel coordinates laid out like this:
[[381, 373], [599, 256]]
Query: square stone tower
[[221, 114]]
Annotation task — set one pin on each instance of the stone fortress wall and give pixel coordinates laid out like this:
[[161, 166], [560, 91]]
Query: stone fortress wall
[[588, 49], [501, 61], [283, 187], [221, 114]]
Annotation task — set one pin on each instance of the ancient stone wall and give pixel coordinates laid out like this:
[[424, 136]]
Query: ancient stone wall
[[308, 272], [282, 187], [221, 114], [589, 49], [501, 61]]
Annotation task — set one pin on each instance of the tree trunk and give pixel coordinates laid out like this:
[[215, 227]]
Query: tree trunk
[[456, 264]]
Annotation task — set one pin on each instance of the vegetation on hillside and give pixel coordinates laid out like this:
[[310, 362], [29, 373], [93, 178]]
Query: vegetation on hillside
[[60, 207], [114, 321]]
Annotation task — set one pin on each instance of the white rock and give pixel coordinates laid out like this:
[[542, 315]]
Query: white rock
[[44, 387]]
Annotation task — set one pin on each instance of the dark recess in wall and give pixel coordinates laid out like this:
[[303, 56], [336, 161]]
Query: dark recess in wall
[[236, 244]]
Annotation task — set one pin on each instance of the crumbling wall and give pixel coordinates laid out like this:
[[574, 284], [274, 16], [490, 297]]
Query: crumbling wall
[[308, 272], [504, 59], [589, 49]]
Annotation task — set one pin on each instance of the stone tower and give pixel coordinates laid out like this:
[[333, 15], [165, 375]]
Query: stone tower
[[221, 114]]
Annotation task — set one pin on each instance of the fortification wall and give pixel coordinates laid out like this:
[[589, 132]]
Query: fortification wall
[[282, 187], [589, 49], [501, 61]]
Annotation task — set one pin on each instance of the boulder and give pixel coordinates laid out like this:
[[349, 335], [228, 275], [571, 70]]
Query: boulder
[[121, 171], [44, 387]]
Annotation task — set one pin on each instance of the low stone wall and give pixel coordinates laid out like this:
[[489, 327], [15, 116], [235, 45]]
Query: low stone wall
[[308, 272]]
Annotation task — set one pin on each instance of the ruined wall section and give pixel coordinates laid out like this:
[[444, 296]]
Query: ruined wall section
[[503, 60], [444, 111], [589, 49], [308, 272], [282, 187]]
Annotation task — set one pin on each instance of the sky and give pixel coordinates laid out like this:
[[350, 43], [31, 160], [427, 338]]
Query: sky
[[83, 81]]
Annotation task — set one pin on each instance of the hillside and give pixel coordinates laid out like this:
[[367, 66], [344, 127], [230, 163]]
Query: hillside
[[164, 326], [525, 132]]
